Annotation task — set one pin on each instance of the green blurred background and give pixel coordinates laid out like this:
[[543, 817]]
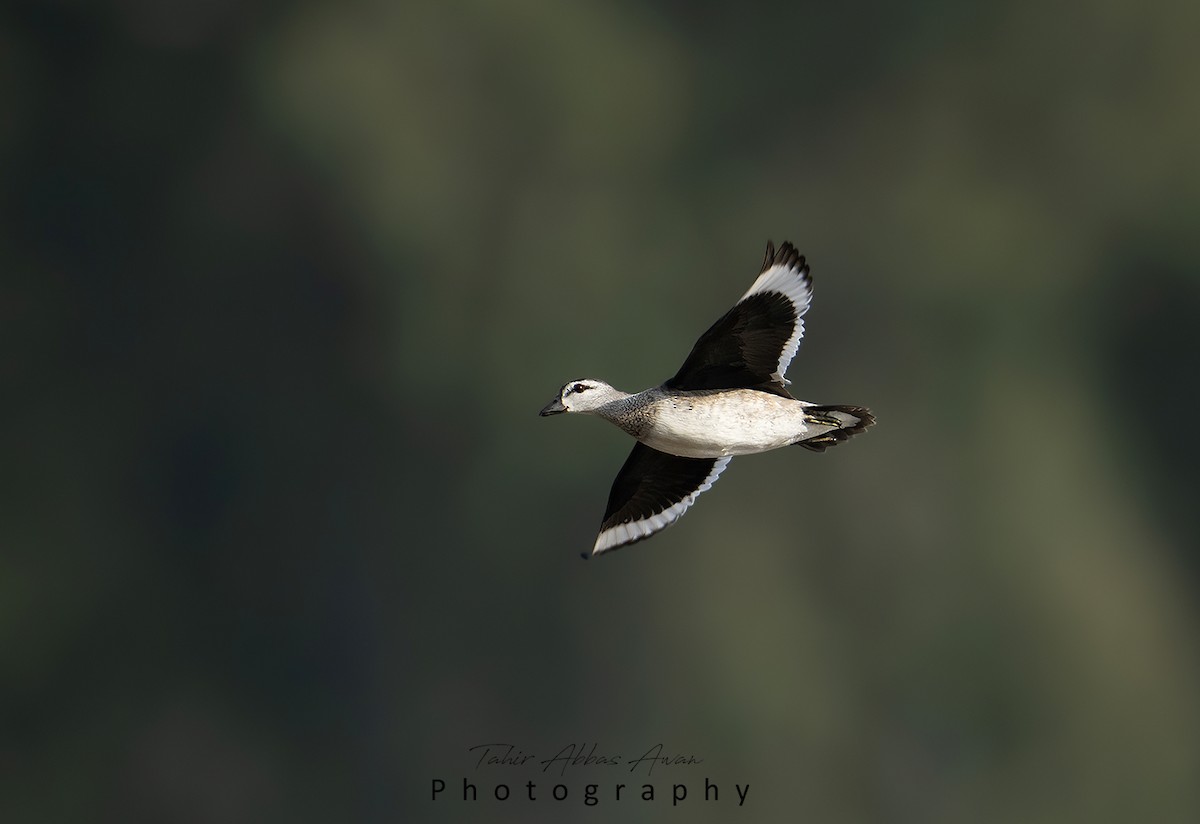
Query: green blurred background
[[285, 284]]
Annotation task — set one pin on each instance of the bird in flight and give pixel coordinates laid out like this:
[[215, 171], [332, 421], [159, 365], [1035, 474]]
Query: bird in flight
[[729, 398]]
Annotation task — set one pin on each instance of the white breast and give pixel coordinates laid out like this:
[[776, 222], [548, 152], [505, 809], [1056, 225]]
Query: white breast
[[737, 422]]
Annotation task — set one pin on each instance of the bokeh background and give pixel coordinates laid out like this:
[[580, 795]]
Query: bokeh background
[[283, 286]]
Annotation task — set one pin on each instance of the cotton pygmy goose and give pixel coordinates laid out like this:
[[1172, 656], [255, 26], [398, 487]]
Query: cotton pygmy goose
[[729, 398]]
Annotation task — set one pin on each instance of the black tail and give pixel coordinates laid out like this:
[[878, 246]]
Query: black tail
[[844, 421]]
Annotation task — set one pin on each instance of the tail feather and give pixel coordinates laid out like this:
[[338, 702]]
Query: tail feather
[[843, 422]]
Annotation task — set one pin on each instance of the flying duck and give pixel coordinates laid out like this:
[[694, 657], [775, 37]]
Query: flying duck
[[729, 398]]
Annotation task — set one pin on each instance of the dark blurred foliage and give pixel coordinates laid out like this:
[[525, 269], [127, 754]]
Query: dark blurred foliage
[[283, 285]]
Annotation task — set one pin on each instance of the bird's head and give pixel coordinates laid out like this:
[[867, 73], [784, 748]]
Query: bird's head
[[581, 395]]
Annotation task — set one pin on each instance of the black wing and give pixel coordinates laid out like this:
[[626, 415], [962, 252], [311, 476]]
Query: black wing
[[753, 343], [651, 492]]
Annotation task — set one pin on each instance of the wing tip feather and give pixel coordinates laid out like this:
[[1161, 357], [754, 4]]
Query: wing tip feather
[[788, 256]]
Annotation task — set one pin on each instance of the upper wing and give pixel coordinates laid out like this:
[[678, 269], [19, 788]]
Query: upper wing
[[651, 492], [753, 343]]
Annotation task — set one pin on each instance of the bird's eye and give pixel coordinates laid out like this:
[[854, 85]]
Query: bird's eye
[[579, 387]]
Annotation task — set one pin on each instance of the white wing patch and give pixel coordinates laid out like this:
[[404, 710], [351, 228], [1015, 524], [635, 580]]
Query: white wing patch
[[795, 284], [627, 533]]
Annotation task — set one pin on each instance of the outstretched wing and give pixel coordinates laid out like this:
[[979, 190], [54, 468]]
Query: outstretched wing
[[651, 492], [753, 343]]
